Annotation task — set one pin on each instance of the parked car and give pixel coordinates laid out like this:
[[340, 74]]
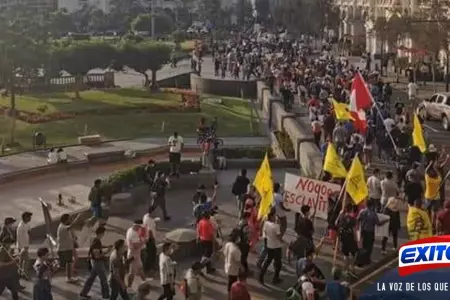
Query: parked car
[[436, 108]]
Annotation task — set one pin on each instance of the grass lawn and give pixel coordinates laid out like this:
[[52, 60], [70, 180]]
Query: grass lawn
[[234, 116]]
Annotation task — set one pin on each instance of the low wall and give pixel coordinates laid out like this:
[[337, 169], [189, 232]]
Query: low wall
[[177, 81], [230, 88], [298, 129]]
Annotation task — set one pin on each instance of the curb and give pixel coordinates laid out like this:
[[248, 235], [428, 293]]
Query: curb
[[99, 158]]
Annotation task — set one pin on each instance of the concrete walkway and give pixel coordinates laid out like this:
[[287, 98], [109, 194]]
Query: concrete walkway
[[33, 159]]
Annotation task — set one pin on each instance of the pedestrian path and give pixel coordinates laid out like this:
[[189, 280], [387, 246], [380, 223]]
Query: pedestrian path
[[33, 159]]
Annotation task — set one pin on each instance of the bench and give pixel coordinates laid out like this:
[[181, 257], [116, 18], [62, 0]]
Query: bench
[[90, 139]]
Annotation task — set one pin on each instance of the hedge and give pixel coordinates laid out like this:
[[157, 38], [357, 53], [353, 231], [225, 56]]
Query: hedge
[[123, 180]]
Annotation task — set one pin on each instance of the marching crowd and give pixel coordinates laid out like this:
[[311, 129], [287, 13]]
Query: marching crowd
[[367, 125]]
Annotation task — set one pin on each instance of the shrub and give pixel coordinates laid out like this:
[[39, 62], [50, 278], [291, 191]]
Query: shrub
[[125, 179]]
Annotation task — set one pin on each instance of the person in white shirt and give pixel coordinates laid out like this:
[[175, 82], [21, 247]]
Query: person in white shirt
[[52, 157], [374, 187], [167, 272], [279, 207], [274, 243], [412, 93], [23, 240], [389, 124], [176, 144], [150, 247], [194, 282], [135, 240], [61, 155], [232, 255]]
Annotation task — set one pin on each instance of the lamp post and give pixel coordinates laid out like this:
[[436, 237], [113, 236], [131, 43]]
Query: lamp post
[[152, 14]]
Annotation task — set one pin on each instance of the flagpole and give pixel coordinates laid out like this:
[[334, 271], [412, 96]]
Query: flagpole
[[344, 200], [379, 112]]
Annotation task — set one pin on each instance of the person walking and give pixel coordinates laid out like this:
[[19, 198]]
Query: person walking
[[193, 283], [150, 255], [135, 243], [167, 272], [176, 144], [159, 190], [274, 243], [232, 255], [278, 204], [9, 276], [117, 271], [392, 209], [42, 288], [65, 245], [374, 187], [239, 189], [97, 266], [95, 198], [23, 241], [389, 188], [206, 233], [367, 220], [239, 289]]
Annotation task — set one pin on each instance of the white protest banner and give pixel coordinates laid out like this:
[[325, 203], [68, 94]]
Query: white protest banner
[[300, 191]]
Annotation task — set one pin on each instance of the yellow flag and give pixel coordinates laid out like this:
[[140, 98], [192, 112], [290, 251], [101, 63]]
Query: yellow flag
[[341, 111], [264, 185], [356, 182], [333, 163], [417, 135], [418, 224]]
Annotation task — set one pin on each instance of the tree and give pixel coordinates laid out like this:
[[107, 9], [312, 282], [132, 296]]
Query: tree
[[145, 56], [22, 50], [210, 10], [60, 23], [143, 22], [122, 12], [244, 11], [79, 57]]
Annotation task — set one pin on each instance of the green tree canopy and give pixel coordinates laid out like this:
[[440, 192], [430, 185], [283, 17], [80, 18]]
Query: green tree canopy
[[163, 23], [145, 56], [79, 57], [60, 23]]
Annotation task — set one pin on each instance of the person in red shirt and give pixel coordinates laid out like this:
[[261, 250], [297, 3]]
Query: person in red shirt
[[239, 290], [443, 220], [205, 235]]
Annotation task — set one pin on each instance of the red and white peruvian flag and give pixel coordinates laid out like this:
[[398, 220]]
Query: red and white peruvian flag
[[360, 99]]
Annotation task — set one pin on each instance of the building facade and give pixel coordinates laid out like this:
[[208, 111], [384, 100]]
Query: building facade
[[358, 20]]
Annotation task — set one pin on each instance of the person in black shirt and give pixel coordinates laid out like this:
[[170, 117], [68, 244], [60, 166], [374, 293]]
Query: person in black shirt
[[9, 275], [198, 194], [304, 226], [239, 189], [402, 165], [98, 266], [150, 172], [159, 191]]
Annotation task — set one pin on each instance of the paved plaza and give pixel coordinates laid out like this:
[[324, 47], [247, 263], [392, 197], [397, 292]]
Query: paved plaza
[[179, 207]]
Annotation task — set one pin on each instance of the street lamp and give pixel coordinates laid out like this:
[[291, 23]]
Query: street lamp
[[152, 15]]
